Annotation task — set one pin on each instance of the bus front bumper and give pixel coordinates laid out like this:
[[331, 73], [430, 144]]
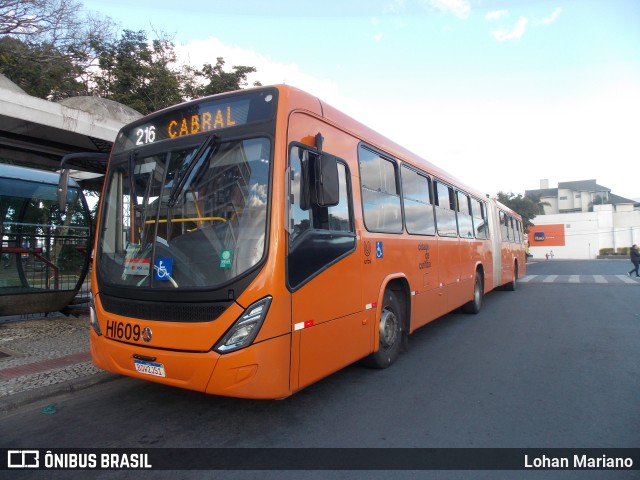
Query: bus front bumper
[[259, 371]]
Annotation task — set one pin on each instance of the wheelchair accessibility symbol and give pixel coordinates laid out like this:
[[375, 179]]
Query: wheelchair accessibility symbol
[[163, 269], [379, 252]]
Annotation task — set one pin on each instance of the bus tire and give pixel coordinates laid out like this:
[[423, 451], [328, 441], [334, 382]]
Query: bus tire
[[390, 325], [474, 306], [511, 286]]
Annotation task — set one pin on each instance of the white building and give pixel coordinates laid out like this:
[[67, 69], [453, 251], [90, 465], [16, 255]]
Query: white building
[[582, 220]]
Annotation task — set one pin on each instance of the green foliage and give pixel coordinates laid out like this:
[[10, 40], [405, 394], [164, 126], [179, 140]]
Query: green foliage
[[216, 80], [136, 73], [598, 200], [70, 259], [52, 50], [40, 70], [526, 207], [46, 46]]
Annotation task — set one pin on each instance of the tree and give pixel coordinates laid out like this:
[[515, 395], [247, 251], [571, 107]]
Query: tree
[[138, 73], [126, 70], [54, 50], [39, 70], [46, 48], [526, 207], [598, 199], [144, 75], [36, 18], [212, 79]]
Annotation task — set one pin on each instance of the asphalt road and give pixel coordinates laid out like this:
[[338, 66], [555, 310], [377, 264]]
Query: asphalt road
[[551, 365]]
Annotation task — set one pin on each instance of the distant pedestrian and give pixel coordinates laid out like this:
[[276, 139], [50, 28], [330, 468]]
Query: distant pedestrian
[[551, 254], [635, 259], [547, 255]]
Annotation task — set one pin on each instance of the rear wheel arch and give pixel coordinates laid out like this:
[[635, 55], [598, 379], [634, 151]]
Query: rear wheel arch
[[392, 323], [512, 285], [474, 305]]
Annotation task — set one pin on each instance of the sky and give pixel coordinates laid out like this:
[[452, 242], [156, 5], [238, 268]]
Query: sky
[[500, 93]]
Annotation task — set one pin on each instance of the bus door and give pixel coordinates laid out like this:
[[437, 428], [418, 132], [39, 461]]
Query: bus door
[[448, 242], [469, 250], [323, 272], [417, 197]]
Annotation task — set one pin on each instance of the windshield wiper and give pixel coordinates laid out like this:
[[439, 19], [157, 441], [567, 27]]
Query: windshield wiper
[[180, 180]]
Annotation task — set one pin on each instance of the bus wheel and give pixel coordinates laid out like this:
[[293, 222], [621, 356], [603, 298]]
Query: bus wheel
[[474, 305], [390, 333], [511, 286]]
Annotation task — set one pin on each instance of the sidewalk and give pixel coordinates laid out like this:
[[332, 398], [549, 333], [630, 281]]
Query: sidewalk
[[44, 356]]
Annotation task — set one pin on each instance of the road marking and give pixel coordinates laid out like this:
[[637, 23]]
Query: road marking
[[581, 279], [626, 278]]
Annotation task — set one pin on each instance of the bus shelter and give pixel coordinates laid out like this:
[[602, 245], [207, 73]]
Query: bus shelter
[[45, 250]]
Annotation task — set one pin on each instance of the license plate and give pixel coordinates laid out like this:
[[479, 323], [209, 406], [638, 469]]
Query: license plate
[[149, 368]]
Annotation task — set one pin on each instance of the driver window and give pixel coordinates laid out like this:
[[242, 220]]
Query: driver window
[[318, 236], [299, 219], [336, 218]]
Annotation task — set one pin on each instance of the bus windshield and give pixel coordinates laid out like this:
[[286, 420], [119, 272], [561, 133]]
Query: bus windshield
[[191, 217]]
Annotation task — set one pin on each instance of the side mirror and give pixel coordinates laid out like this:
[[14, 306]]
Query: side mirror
[[327, 184], [319, 184]]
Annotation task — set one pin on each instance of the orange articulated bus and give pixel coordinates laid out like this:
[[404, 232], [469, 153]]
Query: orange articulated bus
[[252, 243]]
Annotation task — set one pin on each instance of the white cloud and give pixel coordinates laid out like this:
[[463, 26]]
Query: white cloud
[[553, 17], [268, 71], [496, 14], [588, 136], [518, 30], [460, 8], [378, 37], [198, 52], [394, 7]]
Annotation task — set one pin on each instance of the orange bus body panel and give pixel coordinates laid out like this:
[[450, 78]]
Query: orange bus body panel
[[183, 369], [331, 320]]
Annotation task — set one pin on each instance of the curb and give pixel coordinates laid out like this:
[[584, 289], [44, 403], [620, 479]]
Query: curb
[[28, 397]]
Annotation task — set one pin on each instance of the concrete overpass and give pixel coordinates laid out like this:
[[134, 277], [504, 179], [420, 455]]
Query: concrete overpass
[[37, 133]]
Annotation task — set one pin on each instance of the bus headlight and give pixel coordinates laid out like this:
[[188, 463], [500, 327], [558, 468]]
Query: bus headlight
[[245, 329], [93, 319]]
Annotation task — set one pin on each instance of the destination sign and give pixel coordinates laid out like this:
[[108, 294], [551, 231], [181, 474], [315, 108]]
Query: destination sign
[[199, 117]]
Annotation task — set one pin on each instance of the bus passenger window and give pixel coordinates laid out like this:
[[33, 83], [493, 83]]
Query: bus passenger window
[[504, 226], [380, 194], [518, 231], [465, 224], [418, 208], [512, 232], [445, 210], [480, 224]]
